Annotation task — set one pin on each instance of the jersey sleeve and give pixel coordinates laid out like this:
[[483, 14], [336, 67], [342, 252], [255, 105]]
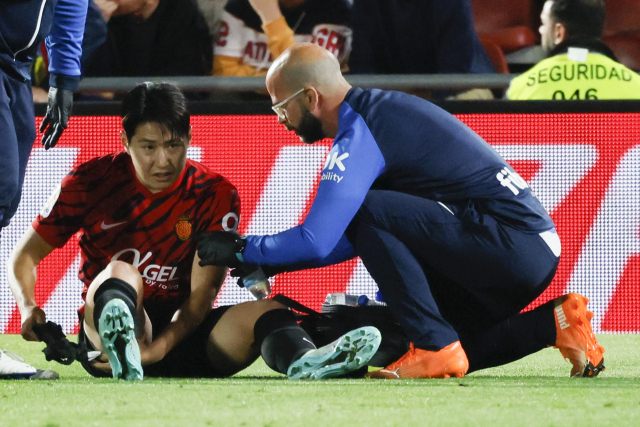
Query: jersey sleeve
[[232, 66], [66, 209], [220, 209], [279, 35], [64, 43], [353, 164]]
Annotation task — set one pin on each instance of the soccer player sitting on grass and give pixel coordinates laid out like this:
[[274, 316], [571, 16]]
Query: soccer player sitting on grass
[[148, 302]]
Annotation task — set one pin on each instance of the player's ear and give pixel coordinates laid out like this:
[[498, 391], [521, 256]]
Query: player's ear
[[125, 141]]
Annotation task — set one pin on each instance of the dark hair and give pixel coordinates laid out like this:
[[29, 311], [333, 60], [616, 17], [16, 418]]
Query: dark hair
[[161, 103], [583, 19]]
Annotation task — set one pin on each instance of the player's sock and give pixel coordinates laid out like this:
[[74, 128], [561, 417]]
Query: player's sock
[[116, 321], [281, 339], [114, 288], [513, 339]]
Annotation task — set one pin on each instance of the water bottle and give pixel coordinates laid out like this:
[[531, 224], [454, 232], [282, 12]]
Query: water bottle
[[341, 299], [257, 283]]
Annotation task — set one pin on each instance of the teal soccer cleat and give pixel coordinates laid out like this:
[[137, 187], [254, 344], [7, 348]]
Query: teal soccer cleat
[[348, 353], [117, 335]]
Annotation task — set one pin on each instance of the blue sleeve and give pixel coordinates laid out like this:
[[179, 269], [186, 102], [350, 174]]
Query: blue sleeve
[[64, 43], [343, 251], [353, 164]]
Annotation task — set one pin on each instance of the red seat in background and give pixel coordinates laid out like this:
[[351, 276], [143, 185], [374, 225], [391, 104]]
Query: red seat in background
[[622, 31], [512, 25]]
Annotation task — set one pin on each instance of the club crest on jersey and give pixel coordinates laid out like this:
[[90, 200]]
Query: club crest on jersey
[[183, 228]]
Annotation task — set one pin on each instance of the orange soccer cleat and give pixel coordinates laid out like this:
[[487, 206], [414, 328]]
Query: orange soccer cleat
[[575, 338], [417, 363]]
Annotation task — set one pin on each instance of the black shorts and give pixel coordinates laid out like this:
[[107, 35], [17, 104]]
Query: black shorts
[[187, 360]]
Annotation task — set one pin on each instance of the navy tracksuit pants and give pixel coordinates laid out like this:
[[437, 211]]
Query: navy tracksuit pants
[[17, 133], [450, 273]]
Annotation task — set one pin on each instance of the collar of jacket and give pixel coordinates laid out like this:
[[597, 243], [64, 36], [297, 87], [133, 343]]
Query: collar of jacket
[[594, 45]]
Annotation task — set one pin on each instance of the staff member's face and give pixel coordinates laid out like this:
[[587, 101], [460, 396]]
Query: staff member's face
[[547, 29], [158, 157], [293, 112]]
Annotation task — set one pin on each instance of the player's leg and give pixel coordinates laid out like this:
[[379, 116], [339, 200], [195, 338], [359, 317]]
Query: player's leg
[[481, 273], [114, 318], [17, 134], [435, 346], [564, 323], [496, 274], [267, 328]]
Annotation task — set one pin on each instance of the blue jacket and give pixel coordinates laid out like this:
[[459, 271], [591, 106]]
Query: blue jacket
[[24, 24], [389, 140]]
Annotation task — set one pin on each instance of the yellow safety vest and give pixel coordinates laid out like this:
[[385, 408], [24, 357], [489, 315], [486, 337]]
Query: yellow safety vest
[[578, 74]]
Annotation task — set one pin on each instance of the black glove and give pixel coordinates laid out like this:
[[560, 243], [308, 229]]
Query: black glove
[[60, 103], [58, 347], [221, 248]]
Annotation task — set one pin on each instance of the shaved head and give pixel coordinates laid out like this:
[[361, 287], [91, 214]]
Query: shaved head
[[307, 89], [306, 64]]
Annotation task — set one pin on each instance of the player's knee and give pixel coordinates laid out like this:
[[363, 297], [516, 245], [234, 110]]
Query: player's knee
[[114, 288], [126, 272]]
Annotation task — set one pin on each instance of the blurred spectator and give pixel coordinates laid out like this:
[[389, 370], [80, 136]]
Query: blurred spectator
[[579, 65], [255, 32], [416, 37], [151, 38], [95, 36]]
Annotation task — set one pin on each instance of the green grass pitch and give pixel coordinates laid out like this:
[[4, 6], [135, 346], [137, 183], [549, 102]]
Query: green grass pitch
[[535, 391]]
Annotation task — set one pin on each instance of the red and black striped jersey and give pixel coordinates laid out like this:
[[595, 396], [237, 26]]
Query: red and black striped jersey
[[121, 219]]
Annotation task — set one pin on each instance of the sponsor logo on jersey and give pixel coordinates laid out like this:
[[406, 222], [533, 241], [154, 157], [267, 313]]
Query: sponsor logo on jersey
[[106, 226], [153, 274], [183, 227]]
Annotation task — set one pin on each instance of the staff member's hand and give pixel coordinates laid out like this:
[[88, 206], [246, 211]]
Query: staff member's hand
[[220, 248], [60, 103]]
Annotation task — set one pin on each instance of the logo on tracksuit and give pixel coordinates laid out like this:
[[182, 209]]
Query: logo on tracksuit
[[334, 160]]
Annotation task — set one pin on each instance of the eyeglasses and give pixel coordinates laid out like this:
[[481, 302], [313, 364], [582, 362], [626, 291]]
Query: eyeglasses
[[279, 107]]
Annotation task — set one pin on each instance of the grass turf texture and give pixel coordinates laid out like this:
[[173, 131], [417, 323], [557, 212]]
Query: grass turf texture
[[534, 391]]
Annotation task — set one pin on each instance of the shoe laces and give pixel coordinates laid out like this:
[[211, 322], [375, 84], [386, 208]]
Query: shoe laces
[[410, 356]]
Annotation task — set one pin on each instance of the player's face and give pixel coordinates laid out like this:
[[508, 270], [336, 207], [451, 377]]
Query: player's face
[[158, 157], [547, 36]]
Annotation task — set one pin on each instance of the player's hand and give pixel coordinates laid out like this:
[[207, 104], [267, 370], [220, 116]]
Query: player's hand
[[220, 248], [101, 362], [31, 316], [150, 354], [59, 105]]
